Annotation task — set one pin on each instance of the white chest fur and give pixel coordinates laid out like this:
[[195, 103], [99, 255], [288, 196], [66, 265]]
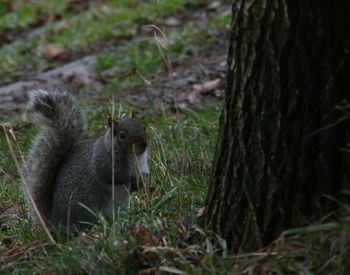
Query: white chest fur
[[121, 192], [142, 162]]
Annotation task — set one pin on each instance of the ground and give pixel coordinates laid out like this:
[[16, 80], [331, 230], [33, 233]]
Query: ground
[[166, 61], [96, 67]]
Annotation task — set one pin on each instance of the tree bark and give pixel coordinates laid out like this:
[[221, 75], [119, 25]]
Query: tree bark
[[285, 120]]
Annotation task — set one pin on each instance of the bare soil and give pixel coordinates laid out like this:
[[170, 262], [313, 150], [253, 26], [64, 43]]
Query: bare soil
[[196, 78]]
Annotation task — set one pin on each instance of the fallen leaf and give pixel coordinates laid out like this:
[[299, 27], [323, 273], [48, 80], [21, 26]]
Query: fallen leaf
[[180, 106], [143, 235], [200, 212], [193, 97], [207, 86], [172, 22], [214, 5], [103, 9], [171, 270], [54, 52]]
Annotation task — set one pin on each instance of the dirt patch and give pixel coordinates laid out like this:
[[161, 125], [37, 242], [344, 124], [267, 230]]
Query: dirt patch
[[176, 89], [194, 79], [13, 97], [188, 84]]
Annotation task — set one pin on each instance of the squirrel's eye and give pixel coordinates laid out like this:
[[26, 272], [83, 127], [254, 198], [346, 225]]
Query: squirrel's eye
[[122, 135]]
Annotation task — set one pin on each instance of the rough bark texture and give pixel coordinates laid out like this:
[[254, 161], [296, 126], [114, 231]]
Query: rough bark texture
[[281, 140]]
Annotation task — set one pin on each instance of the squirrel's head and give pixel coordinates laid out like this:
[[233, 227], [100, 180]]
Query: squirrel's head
[[130, 134]]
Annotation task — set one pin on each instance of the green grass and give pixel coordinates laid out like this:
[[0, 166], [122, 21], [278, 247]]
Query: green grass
[[9, 176], [112, 20], [158, 232], [131, 62], [19, 14], [143, 58], [180, 164]]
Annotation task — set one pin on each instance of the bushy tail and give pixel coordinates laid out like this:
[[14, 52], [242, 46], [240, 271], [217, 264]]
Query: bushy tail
[[62, 126]]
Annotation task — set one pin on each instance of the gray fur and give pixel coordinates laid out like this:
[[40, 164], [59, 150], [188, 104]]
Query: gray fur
[[64, 170]]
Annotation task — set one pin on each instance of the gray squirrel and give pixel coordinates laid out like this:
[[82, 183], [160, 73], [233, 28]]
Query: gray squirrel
[[70, 176]]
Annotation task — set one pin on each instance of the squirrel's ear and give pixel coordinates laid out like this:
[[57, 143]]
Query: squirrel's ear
[[113, 124]]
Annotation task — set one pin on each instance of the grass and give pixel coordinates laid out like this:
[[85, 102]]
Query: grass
[[141, 59], [20, 14], [180, 164], [112, 20], [159, 233]]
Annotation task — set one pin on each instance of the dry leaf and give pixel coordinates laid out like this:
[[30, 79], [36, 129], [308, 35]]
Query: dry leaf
[[144, 236], [105, 10], [207, 86], [214, 5], [172, 22], [200, 212], [171, 270], [54, 52], [193, 97], [180, 106]]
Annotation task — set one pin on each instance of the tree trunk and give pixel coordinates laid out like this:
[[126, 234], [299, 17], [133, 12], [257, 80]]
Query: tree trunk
[[283, 128]]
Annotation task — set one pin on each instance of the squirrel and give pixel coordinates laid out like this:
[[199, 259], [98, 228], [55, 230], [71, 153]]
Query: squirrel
[[69, 176]]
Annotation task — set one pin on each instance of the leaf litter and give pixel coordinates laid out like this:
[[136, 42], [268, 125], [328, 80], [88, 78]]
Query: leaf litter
[[196, 79]]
